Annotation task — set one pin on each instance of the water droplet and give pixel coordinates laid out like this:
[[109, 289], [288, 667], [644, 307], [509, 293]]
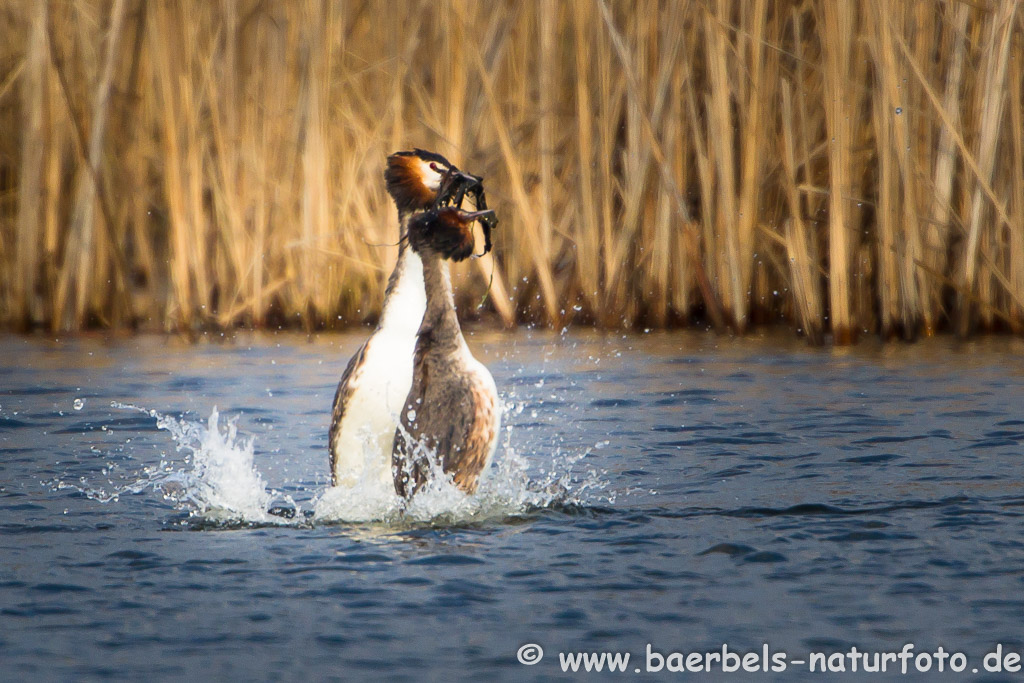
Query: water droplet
[[78, 404]]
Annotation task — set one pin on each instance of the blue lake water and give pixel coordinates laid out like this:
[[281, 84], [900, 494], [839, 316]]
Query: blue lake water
[[681, 490]]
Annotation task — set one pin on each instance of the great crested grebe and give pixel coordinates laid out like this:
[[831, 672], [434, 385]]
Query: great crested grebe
[[452, 412], [376, 381]]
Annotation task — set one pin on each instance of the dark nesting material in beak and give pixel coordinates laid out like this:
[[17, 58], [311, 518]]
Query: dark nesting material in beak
[[454, 187], [488, 219]]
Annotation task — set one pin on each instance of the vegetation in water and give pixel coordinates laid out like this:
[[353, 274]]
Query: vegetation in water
[[845, 167]]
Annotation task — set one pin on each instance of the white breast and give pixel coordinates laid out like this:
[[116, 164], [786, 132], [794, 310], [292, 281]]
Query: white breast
[[378, 389], [362, 445]]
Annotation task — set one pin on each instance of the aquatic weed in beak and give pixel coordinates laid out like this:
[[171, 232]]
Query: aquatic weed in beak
[[489, 220], [457, 186], [454, 187]]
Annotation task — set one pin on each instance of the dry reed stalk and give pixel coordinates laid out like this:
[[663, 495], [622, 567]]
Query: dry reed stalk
[[981, 182], [546, 67], [811, 121], [108, 264], [136, 150], [896, 212], [702, 158], [1015, 246], [938, 229], [232, 182], [163, 28], [754, 99], [800, 244], [612, 88], [732, 157], [626, 250], [32, 198], [524, 208], [80, 274], [720, 129], [991, 104], [676, 265], [640, 149], [316, 185], [587, 250], [635, 156], [656, 278], [838, 37], [908, 154]]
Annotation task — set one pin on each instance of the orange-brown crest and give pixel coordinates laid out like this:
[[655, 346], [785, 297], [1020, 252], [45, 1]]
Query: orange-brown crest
[[414, 178]]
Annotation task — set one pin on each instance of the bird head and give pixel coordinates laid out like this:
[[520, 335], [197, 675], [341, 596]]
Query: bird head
[[447, 231], [421, 180]]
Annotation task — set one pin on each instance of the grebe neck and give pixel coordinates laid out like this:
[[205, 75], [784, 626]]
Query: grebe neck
[[405, 298], [440, 322]]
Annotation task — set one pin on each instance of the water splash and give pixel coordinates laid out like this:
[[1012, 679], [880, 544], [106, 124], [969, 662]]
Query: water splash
[[371, 498], [215, 481], [507, 489], [223, 483]]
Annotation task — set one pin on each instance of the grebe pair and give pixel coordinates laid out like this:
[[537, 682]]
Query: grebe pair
[[418, 336]]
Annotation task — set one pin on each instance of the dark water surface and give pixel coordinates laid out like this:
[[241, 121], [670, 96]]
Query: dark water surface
[[732, 491]]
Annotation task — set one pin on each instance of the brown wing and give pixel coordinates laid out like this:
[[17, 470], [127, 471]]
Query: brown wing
[[341, 398], [454, 419], [473, 432]]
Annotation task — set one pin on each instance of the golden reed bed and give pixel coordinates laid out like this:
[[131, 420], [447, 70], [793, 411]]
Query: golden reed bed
[[846, 168]]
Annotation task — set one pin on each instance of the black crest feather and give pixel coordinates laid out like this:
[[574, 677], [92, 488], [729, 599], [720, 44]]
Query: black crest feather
[[444, 231]]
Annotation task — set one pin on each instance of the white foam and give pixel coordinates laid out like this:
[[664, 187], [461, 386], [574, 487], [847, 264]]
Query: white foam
[[223, 482], [216, 480], [506, 489]]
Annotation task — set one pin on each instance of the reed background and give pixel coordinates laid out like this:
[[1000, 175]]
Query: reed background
[[844, 168]]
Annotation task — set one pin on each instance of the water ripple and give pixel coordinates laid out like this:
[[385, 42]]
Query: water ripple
[[670, 489]]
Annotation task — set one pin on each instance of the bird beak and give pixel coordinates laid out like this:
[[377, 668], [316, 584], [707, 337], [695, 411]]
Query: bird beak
[[454, 187], [478, 215]]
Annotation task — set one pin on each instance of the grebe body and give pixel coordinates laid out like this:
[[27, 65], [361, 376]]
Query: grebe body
[[452, 415]]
